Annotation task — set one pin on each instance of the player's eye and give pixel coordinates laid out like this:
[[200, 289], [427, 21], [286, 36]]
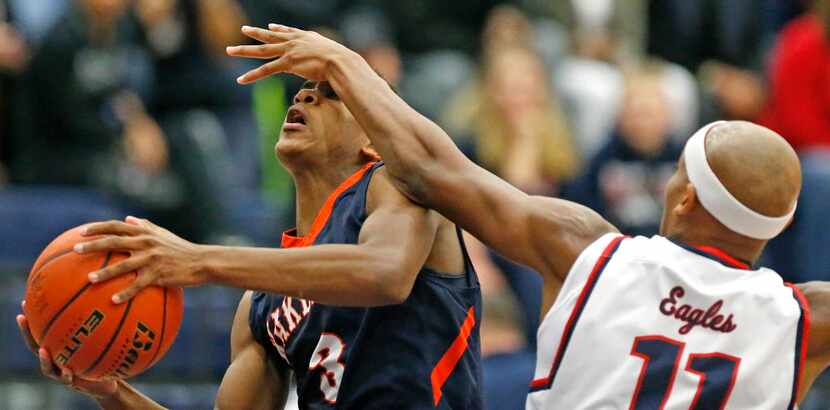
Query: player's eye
[[325, 90]]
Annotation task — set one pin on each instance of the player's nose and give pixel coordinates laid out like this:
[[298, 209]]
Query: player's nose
[[306, 96]]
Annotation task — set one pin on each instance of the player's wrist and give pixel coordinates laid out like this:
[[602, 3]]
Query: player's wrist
[[107, 398], [208, 265], [340, 66]]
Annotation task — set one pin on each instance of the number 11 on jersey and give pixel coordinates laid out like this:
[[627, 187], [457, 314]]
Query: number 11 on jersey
[[661, 360]]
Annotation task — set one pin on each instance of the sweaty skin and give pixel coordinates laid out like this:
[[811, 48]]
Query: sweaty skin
[[757, 166]]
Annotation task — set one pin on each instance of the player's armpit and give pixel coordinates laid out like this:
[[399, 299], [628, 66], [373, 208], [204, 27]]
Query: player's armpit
[[251, 382], [398, 235]]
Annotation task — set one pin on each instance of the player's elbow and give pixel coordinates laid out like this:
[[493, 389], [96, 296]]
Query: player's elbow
[[389, 284]]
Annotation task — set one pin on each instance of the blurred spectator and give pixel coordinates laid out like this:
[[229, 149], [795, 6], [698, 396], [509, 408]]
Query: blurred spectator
[[14, 57], [187, 40], [35, 18], [605, 30], [428, 25], [74, 80], [206, 115], [625, 180], [507, 362], [508, 357], [799, 109], [517, 127], [799, 100], [723, 41], [86, 125], [367, 31]]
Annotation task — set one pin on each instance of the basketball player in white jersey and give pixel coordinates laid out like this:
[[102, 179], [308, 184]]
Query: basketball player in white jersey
[[680, 320]]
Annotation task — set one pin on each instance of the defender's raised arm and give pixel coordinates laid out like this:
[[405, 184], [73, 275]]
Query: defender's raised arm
[[544, 233]]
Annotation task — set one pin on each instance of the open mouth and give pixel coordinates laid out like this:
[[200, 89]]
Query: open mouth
[[295, 116]]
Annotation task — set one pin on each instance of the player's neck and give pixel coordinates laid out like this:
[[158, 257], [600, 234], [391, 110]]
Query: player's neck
[[313, 188], [737, 247]]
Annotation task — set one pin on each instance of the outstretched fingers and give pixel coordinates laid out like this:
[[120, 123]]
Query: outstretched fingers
[[262, 51], [269, 36], [112, 228], [274, 67], [140, 282], [131, 264], [114, 243]]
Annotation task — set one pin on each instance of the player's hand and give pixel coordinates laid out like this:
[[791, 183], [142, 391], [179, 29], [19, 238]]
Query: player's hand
[[158, 256], [299, 52], [97, 389]]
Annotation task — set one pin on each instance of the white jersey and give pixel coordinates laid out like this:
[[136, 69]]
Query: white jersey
[[646, 323]]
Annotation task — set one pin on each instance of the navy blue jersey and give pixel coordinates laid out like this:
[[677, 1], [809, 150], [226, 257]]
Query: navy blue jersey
[[421, 354]]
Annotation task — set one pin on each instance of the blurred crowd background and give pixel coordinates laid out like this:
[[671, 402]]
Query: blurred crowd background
[[118, 107]]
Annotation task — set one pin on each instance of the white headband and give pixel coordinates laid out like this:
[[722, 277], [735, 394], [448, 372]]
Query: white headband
[[717, 199]]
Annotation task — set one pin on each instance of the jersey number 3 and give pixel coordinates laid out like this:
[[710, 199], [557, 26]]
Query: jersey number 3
[[326, 357], [661, 360]]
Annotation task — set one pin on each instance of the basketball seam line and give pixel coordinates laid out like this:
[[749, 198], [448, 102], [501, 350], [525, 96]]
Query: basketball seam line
[[112, 339], [163, 326], [71, 300], [56, 255]]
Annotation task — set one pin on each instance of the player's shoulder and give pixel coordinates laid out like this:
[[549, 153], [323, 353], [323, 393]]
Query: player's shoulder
[[382, 191]]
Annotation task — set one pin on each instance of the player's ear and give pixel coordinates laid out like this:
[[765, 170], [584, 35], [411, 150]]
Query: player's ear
[[369, 153], [688, 201]]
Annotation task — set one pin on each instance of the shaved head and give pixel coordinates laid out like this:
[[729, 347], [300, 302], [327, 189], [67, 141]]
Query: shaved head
[[756, 165]]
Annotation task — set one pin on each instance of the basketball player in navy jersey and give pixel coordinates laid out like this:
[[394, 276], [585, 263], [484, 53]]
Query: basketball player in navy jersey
[[735, 188], [372, 303]]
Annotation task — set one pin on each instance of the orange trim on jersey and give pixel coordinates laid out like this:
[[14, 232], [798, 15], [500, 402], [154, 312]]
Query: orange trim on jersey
[[803, 343], [289, 240], [441, 372], [735, 262]]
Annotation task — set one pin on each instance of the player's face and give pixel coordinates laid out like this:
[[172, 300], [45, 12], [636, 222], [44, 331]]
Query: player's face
[[319, 124], [675, 188]]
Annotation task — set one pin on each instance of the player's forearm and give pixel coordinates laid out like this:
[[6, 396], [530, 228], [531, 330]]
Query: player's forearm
[[418, 153], [127, 398], [343, 275]]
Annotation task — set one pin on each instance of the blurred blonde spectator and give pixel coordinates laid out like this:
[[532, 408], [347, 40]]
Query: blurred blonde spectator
[[603, 30], [517, 127], [626, 179], [506, 27]]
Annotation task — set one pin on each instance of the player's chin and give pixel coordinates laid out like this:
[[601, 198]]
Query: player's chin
[[293, 144]]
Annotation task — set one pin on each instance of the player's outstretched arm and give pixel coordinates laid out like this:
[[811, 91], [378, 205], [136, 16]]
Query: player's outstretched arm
[[543, 233], [394, 242], [380, 269], [252, 382]]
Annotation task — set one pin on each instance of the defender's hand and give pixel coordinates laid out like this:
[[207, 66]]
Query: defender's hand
[[96, 389], [299, 52], [158, 256]]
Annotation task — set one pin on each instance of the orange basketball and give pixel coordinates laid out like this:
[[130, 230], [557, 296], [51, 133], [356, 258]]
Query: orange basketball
[[80, 326]]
